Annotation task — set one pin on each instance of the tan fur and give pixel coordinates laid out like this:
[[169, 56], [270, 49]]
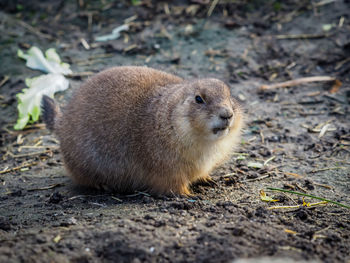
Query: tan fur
[[136, 128]]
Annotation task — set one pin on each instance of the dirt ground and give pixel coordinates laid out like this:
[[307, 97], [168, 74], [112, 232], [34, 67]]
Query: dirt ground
[[45, 218]]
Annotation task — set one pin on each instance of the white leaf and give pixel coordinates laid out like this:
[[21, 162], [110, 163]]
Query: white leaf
[[51, 64], [29, 100], [114, 35], [255, 165]]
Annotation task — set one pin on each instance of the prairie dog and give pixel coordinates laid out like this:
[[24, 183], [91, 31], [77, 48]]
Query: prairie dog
[[136, 128]]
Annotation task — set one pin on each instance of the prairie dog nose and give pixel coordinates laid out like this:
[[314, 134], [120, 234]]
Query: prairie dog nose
[[226, 114]]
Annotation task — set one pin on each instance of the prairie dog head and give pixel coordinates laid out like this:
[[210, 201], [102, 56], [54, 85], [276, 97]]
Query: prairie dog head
[[209, 113]]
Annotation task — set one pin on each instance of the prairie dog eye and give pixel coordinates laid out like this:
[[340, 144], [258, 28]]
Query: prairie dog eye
[[199, 99]]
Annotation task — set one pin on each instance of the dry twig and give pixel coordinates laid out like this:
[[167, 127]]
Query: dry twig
[[28, 154], [80, 74], [212, 7], [303, 36], [256, 179], [327, 168], [8, 170], [308, 195], [297, 206], [34, 30], [296, 82], [4, 80], [45, 188]]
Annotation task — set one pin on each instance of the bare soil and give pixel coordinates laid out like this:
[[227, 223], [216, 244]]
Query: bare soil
[[44, 217]]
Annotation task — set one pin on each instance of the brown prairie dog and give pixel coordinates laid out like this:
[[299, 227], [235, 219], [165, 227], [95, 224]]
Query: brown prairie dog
[[136, 128]]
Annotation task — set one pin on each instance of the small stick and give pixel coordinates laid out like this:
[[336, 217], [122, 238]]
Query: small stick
[[82, 196], [323, 185], [166, 9], [302, 189], [44, 188], [230, 174], [262, 137], [138, 193], [127, 49], [256, 179], [321, 230], [95, 57], [4, 80], [36, 125], [294, 174], [116, 198], [37, 147], [80, 74], [324, 2], [341, 63], [18, 167], [243, 154], [297, 206], [296, 82], [85, 43], [28, 154], [283, 207], [212, 7], [130, 19], [269, 160], [303, 36], [34, 30], [90, 17]]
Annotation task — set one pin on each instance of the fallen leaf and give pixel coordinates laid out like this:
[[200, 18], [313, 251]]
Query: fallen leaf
[[29, 100], [266, 198], [324, 130], [57, 238], [335, 88], [327, 27], [51, 63], [307, 204], [114, 35], [255, 165]]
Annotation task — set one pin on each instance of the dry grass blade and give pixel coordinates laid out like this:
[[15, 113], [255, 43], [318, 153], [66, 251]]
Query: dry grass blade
[[4, 80], [327, 169], [80, 74], [256, 179], [284, 207], [294, 174], [33, 30], [45, 188], [290, 231], [324, 2], [29, 154], [303, 36], [307, 195], [297, 206], [138, 193], [296, 82], [8, 170], [324, 130], [212, 7]]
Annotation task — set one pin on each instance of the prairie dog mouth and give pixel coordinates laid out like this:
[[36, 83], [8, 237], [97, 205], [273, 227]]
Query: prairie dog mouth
[[219, 129]]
